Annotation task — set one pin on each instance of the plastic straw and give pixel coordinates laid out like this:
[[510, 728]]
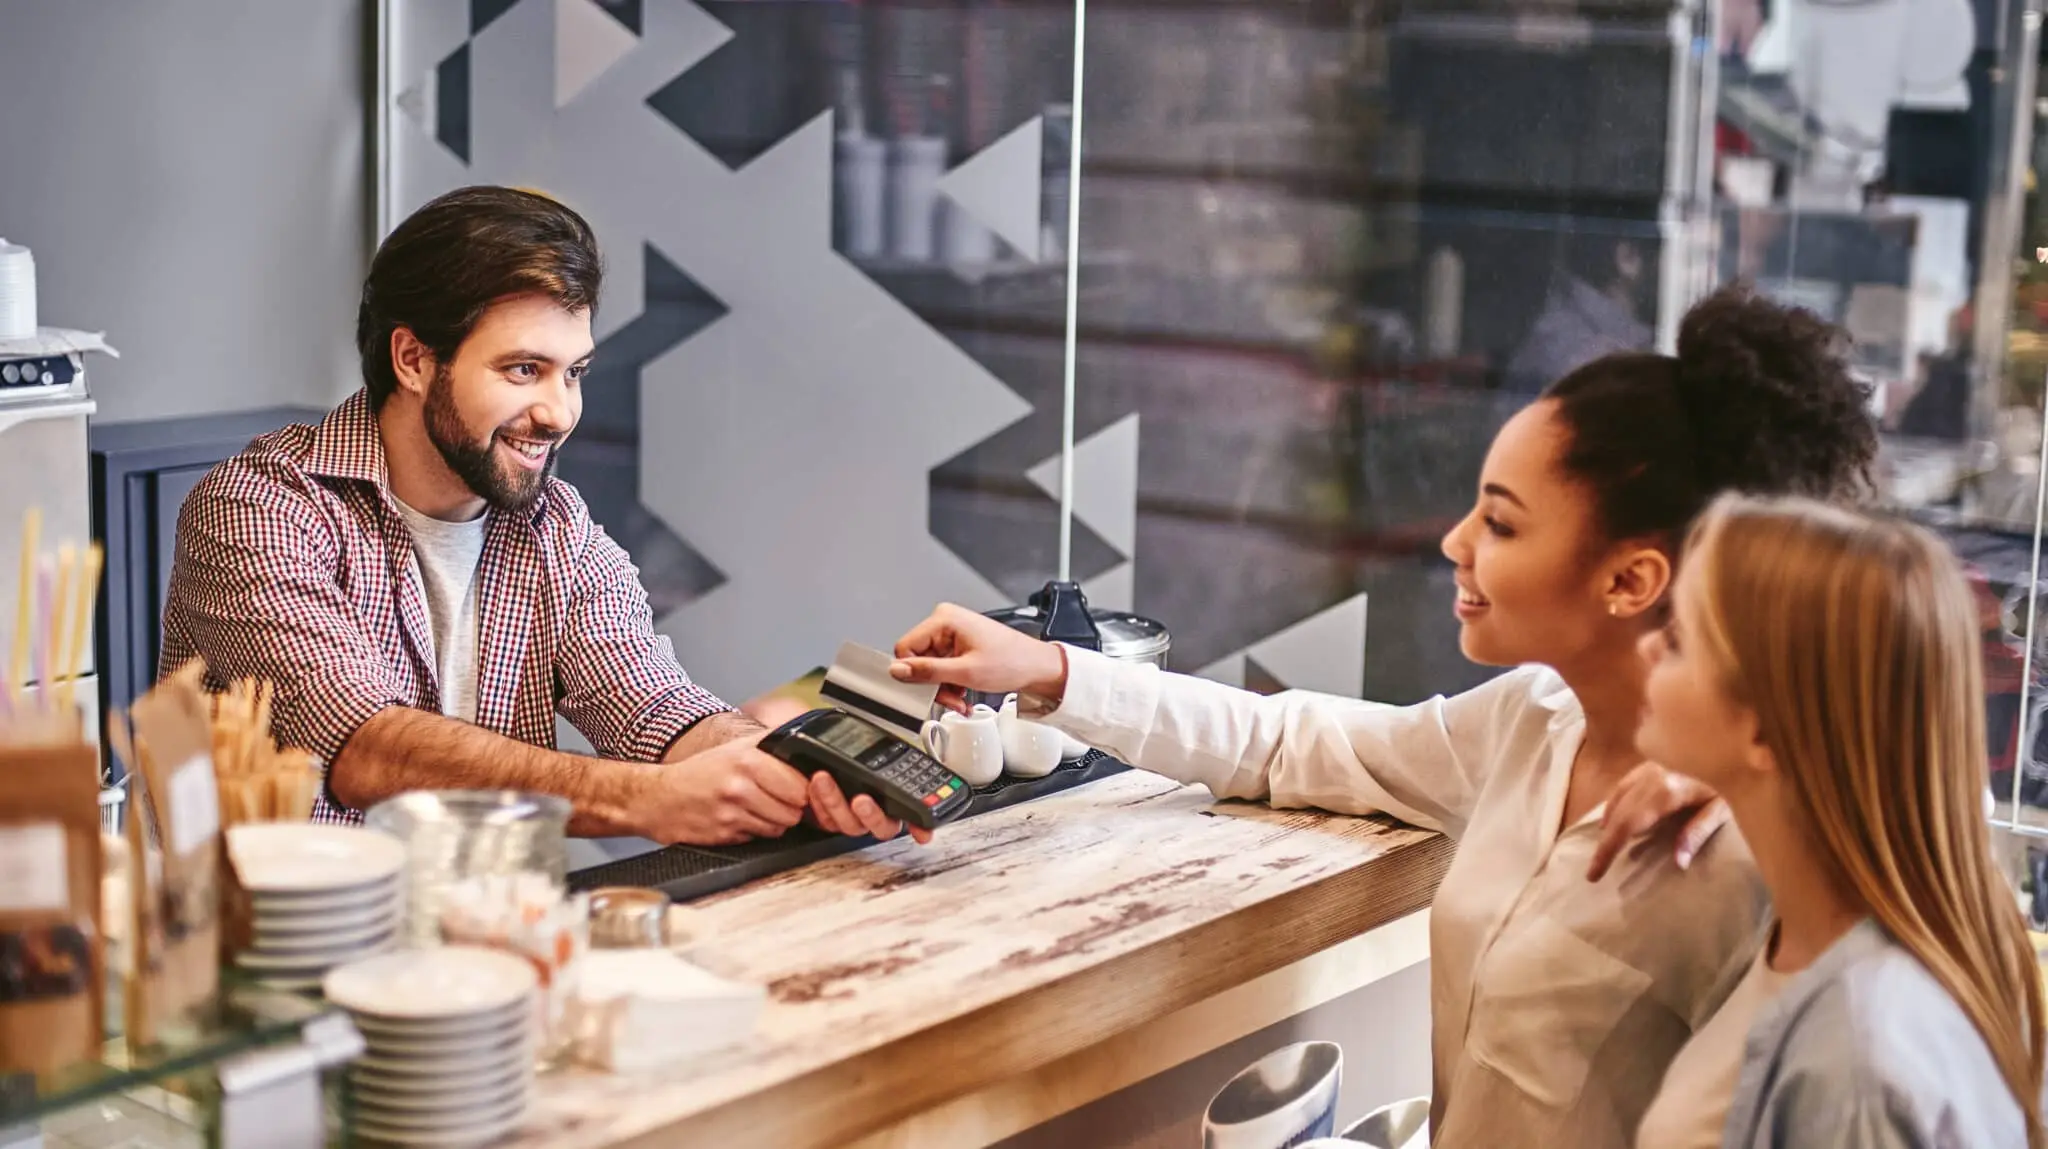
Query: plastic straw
[[24, 592], [87, 604], [45, 578], [58, 622]]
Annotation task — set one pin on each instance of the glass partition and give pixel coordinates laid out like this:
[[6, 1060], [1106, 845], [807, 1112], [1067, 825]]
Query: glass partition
[[828, 391], [1873, 162], [2003, 333], [1329, 246], [1325, 248]]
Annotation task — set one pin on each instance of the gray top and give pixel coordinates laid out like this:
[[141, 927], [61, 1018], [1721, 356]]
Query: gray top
[[445, 556], [1865, 1050]]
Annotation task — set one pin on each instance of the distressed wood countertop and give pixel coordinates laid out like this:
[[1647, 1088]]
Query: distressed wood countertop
[[902, 977]]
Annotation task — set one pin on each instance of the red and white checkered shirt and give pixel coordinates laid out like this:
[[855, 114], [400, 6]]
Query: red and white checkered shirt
[[293, 565]]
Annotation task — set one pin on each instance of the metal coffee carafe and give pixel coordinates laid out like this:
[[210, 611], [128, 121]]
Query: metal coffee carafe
[[1059, 612]]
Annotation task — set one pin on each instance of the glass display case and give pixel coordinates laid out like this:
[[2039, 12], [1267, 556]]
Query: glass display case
[[167, 1095]]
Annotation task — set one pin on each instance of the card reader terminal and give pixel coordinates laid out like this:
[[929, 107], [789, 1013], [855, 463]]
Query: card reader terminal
[[864, 758]]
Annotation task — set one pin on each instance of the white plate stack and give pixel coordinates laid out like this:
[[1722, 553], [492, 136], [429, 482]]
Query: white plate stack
[[322, 896], [451, 1037], [17, 292]]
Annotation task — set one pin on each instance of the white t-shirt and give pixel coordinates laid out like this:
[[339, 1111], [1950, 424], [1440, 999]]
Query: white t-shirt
[[1691, 1110], [445, 557], [1556, 1003]]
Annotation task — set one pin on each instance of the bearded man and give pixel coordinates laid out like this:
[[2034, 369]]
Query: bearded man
[[426, 596]]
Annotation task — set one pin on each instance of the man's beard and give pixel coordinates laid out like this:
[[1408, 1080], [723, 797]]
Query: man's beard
[[476, 464]]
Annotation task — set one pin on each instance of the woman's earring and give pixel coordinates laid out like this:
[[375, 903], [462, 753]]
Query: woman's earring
[[1614, 610]]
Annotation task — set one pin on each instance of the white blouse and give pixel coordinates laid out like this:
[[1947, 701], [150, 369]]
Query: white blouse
[[1556, 1003]]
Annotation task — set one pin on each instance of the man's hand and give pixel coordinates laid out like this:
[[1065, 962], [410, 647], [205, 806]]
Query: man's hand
[[963, 650], [728, 793], [735, 791], [863, 815], [1646, 798]]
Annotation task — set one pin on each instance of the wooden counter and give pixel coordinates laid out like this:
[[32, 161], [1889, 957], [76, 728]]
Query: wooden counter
[[1027, 961]]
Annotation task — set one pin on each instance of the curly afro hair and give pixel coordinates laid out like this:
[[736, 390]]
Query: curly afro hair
[[1759, 399]]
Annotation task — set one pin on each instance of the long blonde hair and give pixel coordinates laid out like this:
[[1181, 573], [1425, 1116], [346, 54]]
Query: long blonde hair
[[1855, 641]]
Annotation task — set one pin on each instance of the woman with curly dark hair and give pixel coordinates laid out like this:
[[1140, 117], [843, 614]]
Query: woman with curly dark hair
[[1557, 1002]]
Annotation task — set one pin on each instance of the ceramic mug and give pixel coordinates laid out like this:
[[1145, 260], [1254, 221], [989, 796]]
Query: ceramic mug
[[1397, 1125], [1072, 749], [1283, 1099], [1030, 749], [970, 745]]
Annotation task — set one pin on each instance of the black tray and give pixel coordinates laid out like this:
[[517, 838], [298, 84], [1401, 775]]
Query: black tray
[[688, 872]]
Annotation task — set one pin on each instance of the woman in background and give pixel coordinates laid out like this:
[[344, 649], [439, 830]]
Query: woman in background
[[1822, 671]]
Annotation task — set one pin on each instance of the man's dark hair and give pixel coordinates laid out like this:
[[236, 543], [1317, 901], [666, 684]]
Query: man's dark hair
[[1594, 256], [447, 263]]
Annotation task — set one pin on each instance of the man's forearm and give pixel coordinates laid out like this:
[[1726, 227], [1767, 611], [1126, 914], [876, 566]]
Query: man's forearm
[[402, 749], [713, 731]]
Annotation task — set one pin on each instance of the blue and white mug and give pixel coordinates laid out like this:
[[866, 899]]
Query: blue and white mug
[[1282, 1100]]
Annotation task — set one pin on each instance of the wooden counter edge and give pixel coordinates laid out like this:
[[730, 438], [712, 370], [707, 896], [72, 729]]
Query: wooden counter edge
[[1026, 1100], [839, 1103]]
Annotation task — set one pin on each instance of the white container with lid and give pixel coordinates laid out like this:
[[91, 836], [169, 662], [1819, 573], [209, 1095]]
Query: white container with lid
[[17, 292]]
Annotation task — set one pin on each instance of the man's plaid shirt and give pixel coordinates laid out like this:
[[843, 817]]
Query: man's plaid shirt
[[293, 565]]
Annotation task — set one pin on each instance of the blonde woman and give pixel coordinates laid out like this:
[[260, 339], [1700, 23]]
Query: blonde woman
[[1556, 1002], [1821, 671]]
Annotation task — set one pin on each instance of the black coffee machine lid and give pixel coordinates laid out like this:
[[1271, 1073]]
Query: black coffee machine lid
[[1063, 611], [1060, 612]]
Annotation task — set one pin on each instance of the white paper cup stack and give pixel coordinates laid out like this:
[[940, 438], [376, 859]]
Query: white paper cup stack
[[17, 292]]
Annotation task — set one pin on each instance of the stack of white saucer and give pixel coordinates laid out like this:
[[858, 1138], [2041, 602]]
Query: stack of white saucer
[[322, 896], [450, 1035], [17, 292]]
